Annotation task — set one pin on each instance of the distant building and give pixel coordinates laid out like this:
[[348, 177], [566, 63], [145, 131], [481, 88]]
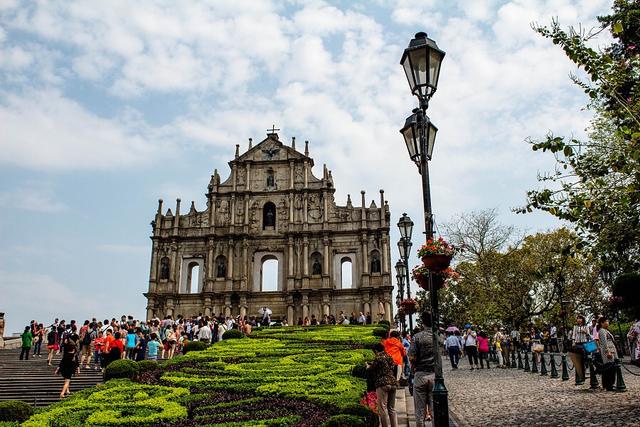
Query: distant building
[[271, 209]]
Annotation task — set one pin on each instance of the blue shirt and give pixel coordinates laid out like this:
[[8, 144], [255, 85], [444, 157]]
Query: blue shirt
[[153, 347], [131, 340]]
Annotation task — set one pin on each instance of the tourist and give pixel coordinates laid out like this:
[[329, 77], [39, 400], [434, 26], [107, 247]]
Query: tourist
[[141, 346], [406, 343], [381, 370], [27, 341], [498, 338], [38, 337], [53, 344], [87, 336], [68, 366], [580, 335], [204, 332], [314, 321], [98, 347], [553, 338], [471, 347], [172, 341], [483, 349], [609, 353], [394, 348], [452, 344], [362, 319], [130, 344], [633, 337], [153, 346], [422, 359]]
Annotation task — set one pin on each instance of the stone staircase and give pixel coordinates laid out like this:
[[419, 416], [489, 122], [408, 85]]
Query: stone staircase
[[34, 382]]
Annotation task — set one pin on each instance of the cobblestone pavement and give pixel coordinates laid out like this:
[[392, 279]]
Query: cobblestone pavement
[[512, 397]]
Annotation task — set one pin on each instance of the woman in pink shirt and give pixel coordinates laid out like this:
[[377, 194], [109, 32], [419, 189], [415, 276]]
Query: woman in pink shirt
[[483, 349]]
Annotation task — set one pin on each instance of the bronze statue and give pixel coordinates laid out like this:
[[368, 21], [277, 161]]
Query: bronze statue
[[317, 267]]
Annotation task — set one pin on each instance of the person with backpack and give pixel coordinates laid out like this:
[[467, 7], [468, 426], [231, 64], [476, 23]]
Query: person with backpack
[[87, 336]]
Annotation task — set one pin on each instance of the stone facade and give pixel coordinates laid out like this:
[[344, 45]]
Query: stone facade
[[271, 208]]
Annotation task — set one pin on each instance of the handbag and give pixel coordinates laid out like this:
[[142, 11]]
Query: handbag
[[590, 346]]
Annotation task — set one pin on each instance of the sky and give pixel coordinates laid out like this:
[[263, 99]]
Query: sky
[[106, 106]]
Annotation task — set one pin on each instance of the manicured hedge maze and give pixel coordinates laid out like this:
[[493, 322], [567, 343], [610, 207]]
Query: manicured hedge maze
[[278, 377]]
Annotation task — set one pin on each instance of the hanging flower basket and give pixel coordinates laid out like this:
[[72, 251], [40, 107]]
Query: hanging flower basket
[[401, 313], [436, 262], [409, 306], [420, 274], [436, 254]]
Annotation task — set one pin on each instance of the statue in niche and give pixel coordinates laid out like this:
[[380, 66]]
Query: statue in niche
[[269, 215], [270, 179], [164, 269], [224, 212], [298, 204], [375, 263], [221, 268], [241, 176], [299, 172], [316, 268]]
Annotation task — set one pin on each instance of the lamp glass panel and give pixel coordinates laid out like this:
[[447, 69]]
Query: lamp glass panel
[[403, 271], [418, 59], [431, 138], [402, 249], [435, 59], [410, 140], [409, 72], [399, 265]]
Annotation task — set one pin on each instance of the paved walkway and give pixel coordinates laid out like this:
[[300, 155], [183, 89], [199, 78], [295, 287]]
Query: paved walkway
[[512, 397]]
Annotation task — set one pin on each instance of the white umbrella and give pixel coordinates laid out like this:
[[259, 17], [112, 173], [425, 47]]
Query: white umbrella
[[264, 311]]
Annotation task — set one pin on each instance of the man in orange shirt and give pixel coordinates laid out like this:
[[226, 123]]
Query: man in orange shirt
[[394, 348]]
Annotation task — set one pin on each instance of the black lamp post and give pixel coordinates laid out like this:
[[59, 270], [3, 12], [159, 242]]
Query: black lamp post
[[404, 247], [400, 294], [421, 62]]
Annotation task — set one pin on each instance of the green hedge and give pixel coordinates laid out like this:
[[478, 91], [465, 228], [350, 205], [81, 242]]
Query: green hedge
[[232, 334], [381, 333], [147, 365], [195, 346], [122, 368], [15, 410], [344, 420]]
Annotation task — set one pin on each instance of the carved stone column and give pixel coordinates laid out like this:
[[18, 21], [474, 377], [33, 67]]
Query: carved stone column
[[387, 311], [207, 306], [290, 315], [230, 276]]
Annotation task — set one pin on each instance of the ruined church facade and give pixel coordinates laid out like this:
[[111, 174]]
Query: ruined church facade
[[271, 208]]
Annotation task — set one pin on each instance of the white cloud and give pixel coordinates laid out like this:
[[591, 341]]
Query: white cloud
[[37, 196], [43, 129], [40, 297]]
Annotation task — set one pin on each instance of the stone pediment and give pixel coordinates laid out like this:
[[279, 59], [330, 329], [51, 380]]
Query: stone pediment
[[270, 149]]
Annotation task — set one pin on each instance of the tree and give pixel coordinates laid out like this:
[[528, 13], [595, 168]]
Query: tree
[[512, 284], [595, 185]]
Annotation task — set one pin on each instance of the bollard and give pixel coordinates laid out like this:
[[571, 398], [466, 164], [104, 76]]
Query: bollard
[[565, 368], [620, 385], [520, 360], [543, 366], [593, 379], [534, 363], [513, 360], [526, 362], [554, 371]]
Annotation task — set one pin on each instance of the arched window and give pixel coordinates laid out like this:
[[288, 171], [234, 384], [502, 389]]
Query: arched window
[[164, 268], [221, 267], [346, 269], [316, 264], [193, 278], [269, 274], [268, 215], [375, 262]]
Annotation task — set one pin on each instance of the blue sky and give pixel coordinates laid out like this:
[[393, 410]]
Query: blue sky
[[107, 106]]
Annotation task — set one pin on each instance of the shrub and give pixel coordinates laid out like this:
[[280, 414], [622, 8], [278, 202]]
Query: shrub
[[146, 366], [360, 370], [122, 368], [232, 334], [344, 420], [381, 333], [195, 346], [384, 323], [15, 410], [363, 412]]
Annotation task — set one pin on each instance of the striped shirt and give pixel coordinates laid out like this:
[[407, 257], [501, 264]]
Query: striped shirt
[[580, 334]]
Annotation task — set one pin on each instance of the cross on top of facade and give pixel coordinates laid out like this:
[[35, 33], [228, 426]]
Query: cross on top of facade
[[272, 130]]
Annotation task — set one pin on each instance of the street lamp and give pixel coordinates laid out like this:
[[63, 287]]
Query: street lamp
[[421, 61], [406, 227], [404, 247]]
